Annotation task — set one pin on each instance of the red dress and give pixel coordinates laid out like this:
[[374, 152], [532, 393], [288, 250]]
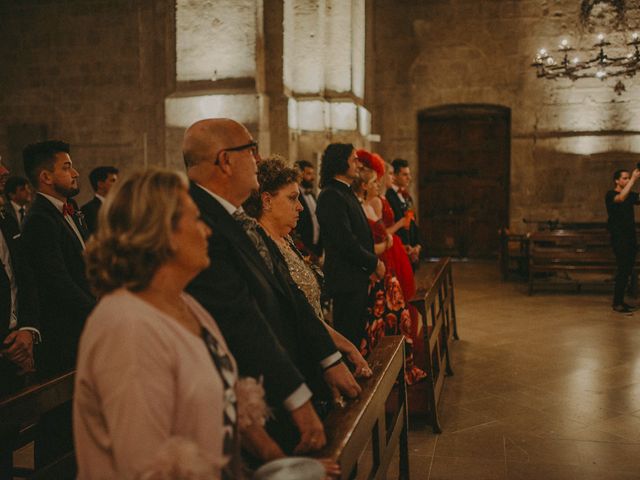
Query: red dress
[[396, 258], [388, 313]]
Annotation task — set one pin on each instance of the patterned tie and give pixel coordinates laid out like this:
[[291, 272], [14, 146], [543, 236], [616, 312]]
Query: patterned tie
[[228, 375], [67, 209], [250, 226]]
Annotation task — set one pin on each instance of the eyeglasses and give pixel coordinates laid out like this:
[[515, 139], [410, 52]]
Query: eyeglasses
[[252, 146]]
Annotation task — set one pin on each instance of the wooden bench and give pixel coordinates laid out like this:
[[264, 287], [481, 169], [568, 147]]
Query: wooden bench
[[571, 251], [436, 304], [513, 254], [19, 411], [364, 436]]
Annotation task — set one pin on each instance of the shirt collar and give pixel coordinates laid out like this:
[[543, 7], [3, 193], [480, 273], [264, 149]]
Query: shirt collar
[[100, 197], [16, 207], [59, 204], [395, 187], [342, 181], [226, 204]]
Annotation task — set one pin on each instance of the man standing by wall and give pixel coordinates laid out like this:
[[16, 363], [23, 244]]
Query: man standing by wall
[[622, 227], [308, 228], [102, 179]]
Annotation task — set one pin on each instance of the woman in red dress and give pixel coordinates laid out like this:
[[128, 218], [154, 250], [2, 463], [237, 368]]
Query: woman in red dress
[[390, 314]]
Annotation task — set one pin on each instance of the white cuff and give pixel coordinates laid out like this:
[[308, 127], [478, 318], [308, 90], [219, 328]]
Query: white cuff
[[333, 358], [297, 398]]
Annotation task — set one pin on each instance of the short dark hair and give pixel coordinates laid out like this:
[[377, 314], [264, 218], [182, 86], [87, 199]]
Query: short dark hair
[[302, 164], [13, 183], [616, 175], [100, 174], [398, 164], [41, 156], [335, 161], [273, 174]]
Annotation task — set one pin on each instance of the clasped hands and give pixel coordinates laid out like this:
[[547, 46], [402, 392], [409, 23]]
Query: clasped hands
[[17, 348]]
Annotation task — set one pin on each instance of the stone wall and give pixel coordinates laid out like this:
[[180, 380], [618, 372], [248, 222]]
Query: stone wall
[[90, 72], [567, 137]]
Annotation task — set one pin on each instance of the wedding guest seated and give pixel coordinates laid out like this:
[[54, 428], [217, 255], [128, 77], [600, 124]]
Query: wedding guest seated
[[277, 207], [152, 363]]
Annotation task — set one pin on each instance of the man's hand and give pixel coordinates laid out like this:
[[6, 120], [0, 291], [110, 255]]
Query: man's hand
[[380, 270], [18, 347], [341, 382], [312, 435], [362, 368]]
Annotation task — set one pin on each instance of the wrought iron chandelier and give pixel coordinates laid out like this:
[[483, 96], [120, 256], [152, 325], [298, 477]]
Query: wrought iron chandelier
[[601, 66]]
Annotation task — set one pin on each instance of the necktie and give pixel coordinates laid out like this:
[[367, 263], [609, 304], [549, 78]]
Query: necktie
[[250, 226], [67, 209], [21, 213], [223, 364]]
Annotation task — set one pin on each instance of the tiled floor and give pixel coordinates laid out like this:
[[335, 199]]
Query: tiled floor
[[545, 387]]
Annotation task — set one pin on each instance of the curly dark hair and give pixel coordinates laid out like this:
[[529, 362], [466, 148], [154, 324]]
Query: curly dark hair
[[273, 174], [335, 161]]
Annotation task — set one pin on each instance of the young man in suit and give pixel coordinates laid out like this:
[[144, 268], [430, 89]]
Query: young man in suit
[[101, 179], [18, 197], [400, 201], [347, 241], [270, 329], [308, 229], [53, 236]]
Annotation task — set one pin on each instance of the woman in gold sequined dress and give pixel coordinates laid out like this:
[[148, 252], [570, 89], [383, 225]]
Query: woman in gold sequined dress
[[276, 206]]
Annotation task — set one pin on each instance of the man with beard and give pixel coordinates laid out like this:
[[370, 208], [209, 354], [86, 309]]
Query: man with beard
[[54, 237], [308, 228]]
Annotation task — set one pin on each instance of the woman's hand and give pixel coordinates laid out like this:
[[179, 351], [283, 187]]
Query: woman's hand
[[331, 468], [362, 368]]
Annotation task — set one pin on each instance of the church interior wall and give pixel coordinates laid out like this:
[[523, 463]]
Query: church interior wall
[[567, 137]]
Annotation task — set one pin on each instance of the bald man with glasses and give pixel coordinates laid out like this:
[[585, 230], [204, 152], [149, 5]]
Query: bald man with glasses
[[271, 330]]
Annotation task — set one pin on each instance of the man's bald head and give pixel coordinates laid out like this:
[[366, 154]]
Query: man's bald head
[[204, 139]]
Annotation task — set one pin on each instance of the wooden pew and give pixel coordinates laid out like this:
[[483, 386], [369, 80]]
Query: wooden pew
[[571, 251], [436, 305], [22, 409], [376, 422]]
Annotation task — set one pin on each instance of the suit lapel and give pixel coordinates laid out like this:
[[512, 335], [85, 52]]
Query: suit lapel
[[223, 224], [46, 206]]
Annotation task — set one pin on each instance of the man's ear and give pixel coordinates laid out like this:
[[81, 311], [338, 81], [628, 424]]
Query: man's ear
[[45, 177], [224, 164]]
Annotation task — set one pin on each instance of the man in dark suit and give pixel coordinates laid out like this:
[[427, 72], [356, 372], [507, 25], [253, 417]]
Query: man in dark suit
[[17, 199], [101, 179], [308, 229], [271, 331], [19, 329], [54, 236], [401, 202], [347, 240]]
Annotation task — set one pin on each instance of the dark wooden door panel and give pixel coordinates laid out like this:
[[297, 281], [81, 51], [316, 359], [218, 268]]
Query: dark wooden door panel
[[464, 178]]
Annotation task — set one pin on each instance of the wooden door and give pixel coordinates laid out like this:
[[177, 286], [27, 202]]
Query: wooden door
[[464, 155]]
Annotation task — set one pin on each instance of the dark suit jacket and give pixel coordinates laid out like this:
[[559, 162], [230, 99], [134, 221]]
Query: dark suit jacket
[[56, 259], [347, 239], [304, 228], [11, 224], [409, 236], [90, 212], [269, 330], [27, 294]]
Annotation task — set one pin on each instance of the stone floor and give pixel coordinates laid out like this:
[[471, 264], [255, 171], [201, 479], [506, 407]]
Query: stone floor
[[545, 387]]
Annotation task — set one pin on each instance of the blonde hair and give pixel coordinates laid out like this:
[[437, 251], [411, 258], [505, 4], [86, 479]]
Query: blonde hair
[[134, 228]]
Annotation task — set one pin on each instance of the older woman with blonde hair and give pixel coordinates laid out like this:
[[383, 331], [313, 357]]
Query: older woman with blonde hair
[[153, 368]]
